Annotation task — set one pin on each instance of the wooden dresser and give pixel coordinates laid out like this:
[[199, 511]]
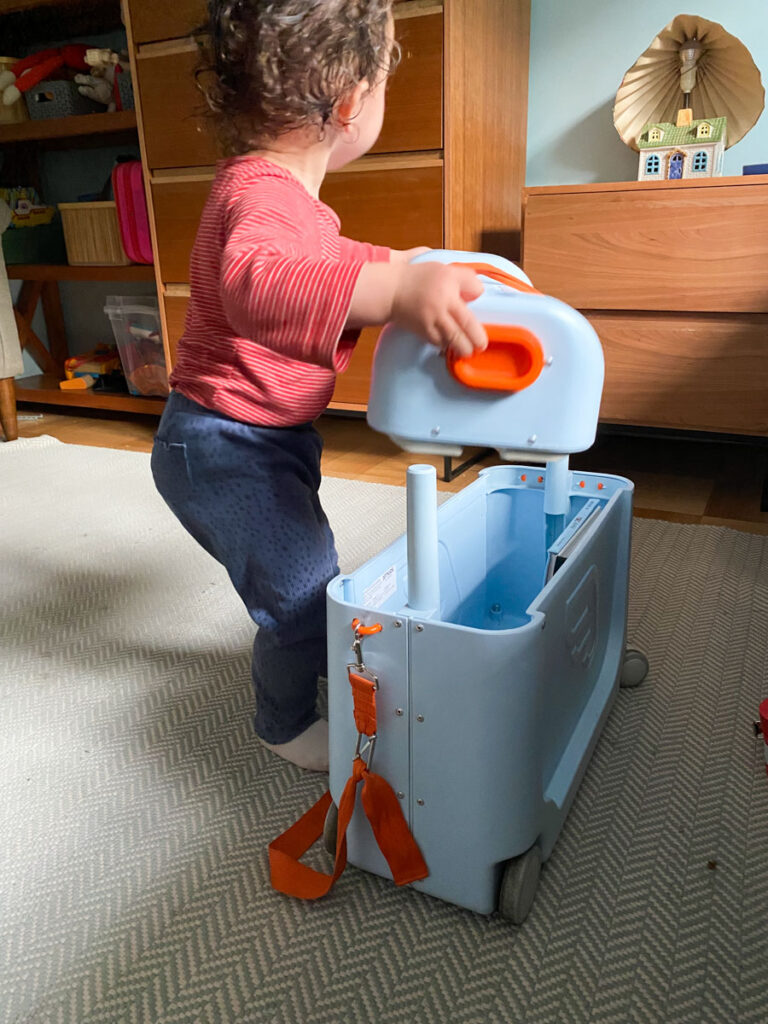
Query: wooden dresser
[[674, 278], [447, 170]]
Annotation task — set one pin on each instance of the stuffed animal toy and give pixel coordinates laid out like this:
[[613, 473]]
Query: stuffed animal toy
[[101, 84], [25, 74]]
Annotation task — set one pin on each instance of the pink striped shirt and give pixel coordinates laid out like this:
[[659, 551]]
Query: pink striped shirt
[[271, 286]]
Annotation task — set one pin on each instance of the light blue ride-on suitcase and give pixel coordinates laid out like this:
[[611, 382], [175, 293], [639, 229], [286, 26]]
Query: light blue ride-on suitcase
[[503, 610]]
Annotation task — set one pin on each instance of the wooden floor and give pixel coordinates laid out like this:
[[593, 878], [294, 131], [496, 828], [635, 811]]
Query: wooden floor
[[680, 480]]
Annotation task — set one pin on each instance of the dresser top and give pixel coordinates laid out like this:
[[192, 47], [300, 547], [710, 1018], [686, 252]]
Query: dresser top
[[645, 186]]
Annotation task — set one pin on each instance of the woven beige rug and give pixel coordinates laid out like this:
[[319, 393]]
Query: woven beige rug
[[135, 805]]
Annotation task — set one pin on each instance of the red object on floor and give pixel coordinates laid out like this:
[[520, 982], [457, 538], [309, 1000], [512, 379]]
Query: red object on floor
[[764, 726]]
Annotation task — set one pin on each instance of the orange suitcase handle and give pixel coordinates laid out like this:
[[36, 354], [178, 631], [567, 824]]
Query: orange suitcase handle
[[514, 357]]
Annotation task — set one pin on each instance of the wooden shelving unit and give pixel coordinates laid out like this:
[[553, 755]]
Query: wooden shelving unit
[[63, 272], [69, 127], [23, 21], [43, 388]]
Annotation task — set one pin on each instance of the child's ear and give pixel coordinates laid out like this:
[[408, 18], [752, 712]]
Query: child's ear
[[348, 108]]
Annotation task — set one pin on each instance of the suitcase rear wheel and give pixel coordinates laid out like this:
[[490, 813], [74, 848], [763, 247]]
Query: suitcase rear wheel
[[634, 670], [330, 828], [518, 885]]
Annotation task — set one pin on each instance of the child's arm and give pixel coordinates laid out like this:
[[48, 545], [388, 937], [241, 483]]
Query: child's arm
[[272, 292], [429, 299]]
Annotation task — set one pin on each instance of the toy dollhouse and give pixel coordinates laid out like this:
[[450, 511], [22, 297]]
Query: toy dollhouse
[[688, 149]]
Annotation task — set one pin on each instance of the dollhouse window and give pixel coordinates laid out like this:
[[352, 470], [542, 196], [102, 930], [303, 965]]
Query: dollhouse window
[[652, 164], [700, 161], [654, 135], [704, 131]]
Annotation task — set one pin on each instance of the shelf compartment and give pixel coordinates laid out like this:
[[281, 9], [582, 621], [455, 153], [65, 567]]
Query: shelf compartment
[[44, 389], [69, 127], [64, 272]]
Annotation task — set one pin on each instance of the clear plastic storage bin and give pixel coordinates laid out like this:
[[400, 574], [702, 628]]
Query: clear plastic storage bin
[[136, 325]]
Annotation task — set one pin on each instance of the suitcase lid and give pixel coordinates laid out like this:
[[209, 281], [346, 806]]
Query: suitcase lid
[[534, 393]]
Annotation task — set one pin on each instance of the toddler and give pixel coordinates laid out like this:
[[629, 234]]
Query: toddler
[[278, 296]]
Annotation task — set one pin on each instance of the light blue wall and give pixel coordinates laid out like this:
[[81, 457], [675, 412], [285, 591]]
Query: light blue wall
[[580, 51]]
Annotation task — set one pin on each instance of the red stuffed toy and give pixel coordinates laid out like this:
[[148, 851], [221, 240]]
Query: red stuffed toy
[[27, 73]]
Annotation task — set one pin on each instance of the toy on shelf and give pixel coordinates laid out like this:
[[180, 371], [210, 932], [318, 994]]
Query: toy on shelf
[[490, 639], [108, 81], [30, 71], [91, 369], [35, 233]]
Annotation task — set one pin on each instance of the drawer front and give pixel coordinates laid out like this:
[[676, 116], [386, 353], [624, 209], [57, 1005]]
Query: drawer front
[[685, 372], [414, 107], [691, 250], [152, 20], [178, 206], [176, 133], [354, 385], [400, 207], [175, 315]]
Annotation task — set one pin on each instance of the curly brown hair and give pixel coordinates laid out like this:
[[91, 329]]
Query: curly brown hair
[[275, 65]]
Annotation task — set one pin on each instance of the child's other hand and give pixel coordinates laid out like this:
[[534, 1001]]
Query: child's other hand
[[406, 255], [431, 300]]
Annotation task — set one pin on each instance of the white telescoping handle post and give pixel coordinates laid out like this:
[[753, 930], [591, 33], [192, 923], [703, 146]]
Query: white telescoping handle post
[[557, 499], [423, 575]]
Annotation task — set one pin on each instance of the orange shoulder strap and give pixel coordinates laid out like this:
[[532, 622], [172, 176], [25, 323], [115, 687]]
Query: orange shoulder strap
[[380, 804], [382, 808]]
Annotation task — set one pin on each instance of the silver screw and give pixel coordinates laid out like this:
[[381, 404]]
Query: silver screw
[[420, 802], [435, 431], [397, 623], [532, 439], [400, 795], [419, 629], [419, 718], [398, 712]]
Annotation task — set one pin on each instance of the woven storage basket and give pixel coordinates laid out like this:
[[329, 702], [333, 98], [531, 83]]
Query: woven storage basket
[[92, 234]]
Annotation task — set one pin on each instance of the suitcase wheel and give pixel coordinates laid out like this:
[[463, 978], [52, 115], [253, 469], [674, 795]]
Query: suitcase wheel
[[330, 827], [518, 885], [634, 670]]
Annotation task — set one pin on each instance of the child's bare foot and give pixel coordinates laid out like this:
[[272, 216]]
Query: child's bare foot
[[308, 750]]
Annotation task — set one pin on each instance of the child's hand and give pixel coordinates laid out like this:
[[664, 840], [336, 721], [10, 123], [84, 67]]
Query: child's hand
[[431, 299], [406, 255]]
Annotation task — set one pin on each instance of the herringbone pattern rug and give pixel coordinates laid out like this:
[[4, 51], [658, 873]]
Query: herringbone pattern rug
[[136, 806]]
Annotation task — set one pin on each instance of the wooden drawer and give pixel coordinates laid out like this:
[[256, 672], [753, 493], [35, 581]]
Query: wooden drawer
[[175, 315], [353, 386], [396, 206], [688, 249], [176, 133], [153, 20], [414, 111], [401, 208], [685, 372], [178, 205]]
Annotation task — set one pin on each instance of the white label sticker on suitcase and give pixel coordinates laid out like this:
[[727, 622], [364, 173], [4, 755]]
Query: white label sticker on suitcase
[[383, 587]]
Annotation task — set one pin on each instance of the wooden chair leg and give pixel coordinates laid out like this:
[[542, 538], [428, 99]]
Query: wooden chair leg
[[8, 409]]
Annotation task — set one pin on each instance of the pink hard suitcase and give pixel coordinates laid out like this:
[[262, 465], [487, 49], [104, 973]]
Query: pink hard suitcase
[[132, 215]]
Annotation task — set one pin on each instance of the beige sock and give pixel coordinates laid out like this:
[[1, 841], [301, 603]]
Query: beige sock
[[308, 750]]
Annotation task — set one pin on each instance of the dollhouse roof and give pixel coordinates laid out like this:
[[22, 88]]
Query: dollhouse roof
[[684, 136]]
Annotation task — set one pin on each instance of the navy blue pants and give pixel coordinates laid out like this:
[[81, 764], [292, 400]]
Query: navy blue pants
[[249, 496]]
